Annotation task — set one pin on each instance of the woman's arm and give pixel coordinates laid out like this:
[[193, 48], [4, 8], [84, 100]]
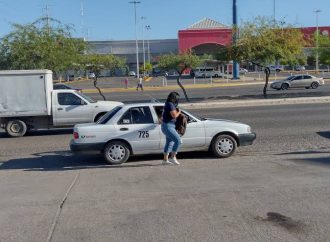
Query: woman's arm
[[175, 113]]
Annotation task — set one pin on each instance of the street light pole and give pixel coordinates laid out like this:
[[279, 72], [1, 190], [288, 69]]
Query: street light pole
[[235, 33], [274, 11], [144, 50], [136, 41], [317, 40], [148, 28]]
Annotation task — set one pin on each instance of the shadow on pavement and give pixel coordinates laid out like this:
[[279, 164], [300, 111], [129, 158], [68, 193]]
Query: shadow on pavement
[[324, 134], [41, 132], [64, 160], [313, 160]]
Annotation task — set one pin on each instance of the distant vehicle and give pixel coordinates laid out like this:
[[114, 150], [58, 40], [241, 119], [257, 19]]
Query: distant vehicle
[[276, 68], [299, 68], [159, 73], [243, 71], [131, 73], [91, 75], [59, 86], [134, 129], [306, 81], [206, 72]]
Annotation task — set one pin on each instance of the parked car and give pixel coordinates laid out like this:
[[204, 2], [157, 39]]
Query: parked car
[[134, 129], [131, 73], [60, 86], [91, 75], [299, 68], [206, 72], [307, 81], [276, 68], [243, 71]]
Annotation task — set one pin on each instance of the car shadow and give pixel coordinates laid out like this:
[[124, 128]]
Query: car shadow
[[313, 160], [64, 161], [324, 134], [42, 132]]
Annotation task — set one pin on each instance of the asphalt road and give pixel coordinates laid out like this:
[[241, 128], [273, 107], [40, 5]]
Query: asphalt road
[[275, 190], [208, 92]]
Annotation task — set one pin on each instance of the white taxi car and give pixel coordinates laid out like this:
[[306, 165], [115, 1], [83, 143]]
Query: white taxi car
[[134, 129]]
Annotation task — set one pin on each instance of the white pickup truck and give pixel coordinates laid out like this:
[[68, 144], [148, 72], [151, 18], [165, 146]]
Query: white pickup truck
[[28, 102]]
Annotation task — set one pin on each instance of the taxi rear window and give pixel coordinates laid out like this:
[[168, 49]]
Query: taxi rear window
[[108, 115]]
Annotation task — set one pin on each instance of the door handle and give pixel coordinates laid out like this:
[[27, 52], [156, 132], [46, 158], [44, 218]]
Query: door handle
[[123, 129], [60, 109]]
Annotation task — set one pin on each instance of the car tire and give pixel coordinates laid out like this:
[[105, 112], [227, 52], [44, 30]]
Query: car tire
[[116, 152], [278, 70], [223, 146], [216, 75], [314, 85], [16, 128], [285, 86], [203, 76]]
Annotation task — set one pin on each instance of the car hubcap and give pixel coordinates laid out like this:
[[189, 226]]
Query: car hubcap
[[116, 152], [225, 146], [16, 128]]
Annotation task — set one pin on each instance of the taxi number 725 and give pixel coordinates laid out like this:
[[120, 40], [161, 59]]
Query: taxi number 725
[[143, 134]]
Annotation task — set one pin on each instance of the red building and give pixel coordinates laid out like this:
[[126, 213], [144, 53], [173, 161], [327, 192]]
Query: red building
[[207, 36]]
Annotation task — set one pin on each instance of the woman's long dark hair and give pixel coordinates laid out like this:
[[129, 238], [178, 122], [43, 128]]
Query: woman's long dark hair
[[173, 97]]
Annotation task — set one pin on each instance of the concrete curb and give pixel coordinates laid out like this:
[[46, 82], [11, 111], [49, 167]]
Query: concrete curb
[[251, 103]]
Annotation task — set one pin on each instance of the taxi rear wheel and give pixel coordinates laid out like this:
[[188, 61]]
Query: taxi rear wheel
[[223, 146], [116, 152]]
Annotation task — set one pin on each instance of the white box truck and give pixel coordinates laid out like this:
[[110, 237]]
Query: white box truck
[[28, 102]]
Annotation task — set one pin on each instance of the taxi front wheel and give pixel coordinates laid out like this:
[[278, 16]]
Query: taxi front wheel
[[223, 146], [116, 152]]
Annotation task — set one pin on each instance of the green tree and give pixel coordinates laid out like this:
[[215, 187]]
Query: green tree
[[263, 41], [148, 67], [96, 63], [179, 63], [41, 46], [324, 49]]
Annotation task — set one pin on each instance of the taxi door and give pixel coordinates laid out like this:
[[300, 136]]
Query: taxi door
[[139, 128]]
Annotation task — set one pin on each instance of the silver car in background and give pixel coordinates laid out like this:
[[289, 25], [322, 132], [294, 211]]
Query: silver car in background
[[306, 81]]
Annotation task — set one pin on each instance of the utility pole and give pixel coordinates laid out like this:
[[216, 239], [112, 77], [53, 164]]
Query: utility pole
[[317, 40], [144, 50], [82, 19], [274, 11], [136, 41], [235, 36], [148, 28], [47, 18]]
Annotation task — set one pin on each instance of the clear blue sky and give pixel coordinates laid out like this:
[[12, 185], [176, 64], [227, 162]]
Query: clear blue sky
[[114, 19]]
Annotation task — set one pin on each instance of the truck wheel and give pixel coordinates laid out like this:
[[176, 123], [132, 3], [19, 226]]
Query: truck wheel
[[223, 146], [116, 152], [16, 128]]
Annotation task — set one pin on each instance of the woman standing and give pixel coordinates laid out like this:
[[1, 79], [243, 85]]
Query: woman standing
[[173, 141]]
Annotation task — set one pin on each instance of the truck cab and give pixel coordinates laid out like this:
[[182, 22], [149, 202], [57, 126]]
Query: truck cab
[[70, 107]]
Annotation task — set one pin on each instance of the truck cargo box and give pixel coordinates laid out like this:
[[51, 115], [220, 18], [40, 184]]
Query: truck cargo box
[[25, 93]]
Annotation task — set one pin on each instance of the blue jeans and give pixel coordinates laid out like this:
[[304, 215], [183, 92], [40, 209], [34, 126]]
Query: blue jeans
[[173, 140]]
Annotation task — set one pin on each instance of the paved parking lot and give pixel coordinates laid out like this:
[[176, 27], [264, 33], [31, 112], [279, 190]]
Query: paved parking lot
[[275, 190]]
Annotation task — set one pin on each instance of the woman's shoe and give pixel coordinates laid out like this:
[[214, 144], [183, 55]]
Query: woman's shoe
[[166, 162], [174, 161]]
